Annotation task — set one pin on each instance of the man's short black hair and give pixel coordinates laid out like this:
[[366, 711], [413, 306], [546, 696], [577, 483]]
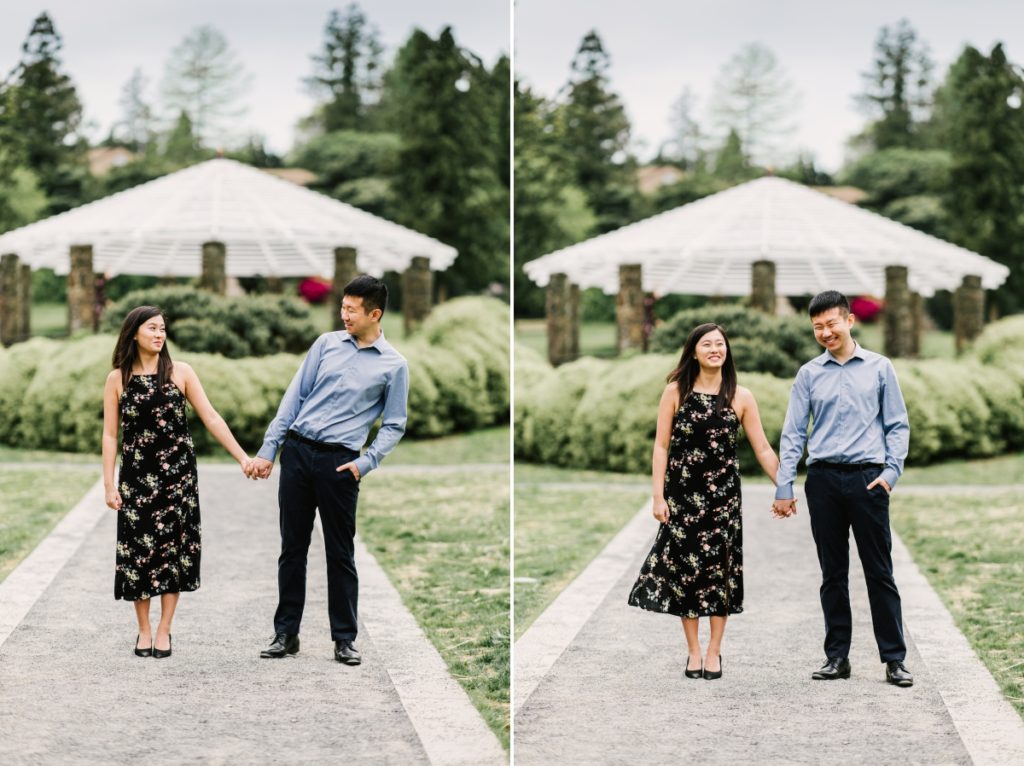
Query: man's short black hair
[[373, 291], [830, 299]]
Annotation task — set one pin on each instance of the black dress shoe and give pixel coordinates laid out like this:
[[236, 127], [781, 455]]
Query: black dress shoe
[[281, 645], [161, 653], [711, 675], [147, 652], [896, 673], [346, 654], [698, 673], [834, 667]]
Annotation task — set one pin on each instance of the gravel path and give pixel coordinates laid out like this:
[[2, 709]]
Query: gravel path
[[617, 695], [71, 691]]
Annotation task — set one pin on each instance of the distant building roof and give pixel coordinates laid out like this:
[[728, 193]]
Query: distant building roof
[[299, 176], [650, 178], [102, 158], [850, 194]]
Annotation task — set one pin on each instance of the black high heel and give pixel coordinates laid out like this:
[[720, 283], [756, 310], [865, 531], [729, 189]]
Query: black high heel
[[709, 675], [142, 652], [693, 673], [161, 653]]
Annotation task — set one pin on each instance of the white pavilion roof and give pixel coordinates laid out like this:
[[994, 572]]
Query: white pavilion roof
[[816, 242], [269, 226]]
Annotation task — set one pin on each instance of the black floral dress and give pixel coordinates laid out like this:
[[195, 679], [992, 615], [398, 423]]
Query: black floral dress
[[695, 568], [158, 532]]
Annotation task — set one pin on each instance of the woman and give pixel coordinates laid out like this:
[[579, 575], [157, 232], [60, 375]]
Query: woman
[[695, 568], [157, 497]]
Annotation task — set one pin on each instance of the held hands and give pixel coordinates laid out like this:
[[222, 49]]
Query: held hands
[[783, 509], [113, 498], [349, 467], [660, 510], [257, 468]]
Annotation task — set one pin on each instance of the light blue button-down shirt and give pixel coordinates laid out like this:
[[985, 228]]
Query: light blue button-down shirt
[[338, 393], [858, 416]]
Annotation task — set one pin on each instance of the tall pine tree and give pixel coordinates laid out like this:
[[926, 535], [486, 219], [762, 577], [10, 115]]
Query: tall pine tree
[[449, 180], [347, 70], [985, 134], [898, 88], [41, 115], [595, 131]]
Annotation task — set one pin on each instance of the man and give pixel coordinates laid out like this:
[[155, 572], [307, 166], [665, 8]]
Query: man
[[855, 455], [347, 380]]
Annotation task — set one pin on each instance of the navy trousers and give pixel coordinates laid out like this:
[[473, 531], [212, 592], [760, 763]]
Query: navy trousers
[[309, 482], [838, 501]]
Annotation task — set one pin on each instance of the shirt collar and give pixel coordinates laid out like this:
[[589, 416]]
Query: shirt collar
[[380, 344], [858, 353]]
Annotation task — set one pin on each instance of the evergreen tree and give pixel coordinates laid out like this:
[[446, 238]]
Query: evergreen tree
[[985, 131], [549, 211], [754, 97], [594, 132], [347, 70], [448, 177], [135, 130], [204, 78], [686, 146], [40, 115], [182, 146], [731, 162], [898, 87]]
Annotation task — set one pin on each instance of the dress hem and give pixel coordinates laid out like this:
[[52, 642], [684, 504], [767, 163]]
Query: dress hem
[[118, 597], [677, 613]]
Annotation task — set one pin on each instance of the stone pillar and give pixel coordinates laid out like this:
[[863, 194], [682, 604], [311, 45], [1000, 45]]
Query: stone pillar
[[10, 311], [417, 293], [81, 289], [25, 301], [629, 308], [574, 321], [557, 300], [344, 272], [762, 287], [968, 312], [214, 276], [917, 322], [898, 317]]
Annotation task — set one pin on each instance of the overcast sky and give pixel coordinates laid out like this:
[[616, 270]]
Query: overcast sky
[[660, 46], [104, 40]]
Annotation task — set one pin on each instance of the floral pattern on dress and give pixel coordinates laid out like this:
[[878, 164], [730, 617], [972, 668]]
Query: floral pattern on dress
[[695, 567], [159, 539]]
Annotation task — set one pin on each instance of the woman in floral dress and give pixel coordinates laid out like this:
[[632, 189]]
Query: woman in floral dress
[[157, 494], [695, 568]]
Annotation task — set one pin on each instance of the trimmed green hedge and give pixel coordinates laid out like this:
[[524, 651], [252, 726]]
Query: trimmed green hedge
[[198, 320], [51, 392], [759, 343], [600, 414]]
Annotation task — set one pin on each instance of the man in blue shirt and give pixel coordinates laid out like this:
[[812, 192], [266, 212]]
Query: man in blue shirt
[[347, 380], [855, 453]]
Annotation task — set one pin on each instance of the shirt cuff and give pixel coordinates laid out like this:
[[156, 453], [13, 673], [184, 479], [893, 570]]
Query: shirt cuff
[[890, 477], [267, 452], [364, 465], [784, 492]]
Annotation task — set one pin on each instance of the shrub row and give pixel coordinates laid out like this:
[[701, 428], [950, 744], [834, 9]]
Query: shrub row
[[759, 342], [51, 392], [600, 414], [201, 321]]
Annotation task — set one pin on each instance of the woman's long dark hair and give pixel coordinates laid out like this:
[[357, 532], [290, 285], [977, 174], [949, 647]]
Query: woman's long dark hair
[[126, 353], [688, 369]]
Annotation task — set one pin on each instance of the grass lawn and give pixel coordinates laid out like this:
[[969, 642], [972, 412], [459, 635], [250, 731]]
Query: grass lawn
[[49, 319], [1006, 469], [560, 529], [31, 504], [969, 548], [444, 543], [488, 446]]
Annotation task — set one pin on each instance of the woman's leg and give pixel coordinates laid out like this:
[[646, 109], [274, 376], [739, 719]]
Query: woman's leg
[[715, 644], [168, 602], [142, 615], [690, 625]]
